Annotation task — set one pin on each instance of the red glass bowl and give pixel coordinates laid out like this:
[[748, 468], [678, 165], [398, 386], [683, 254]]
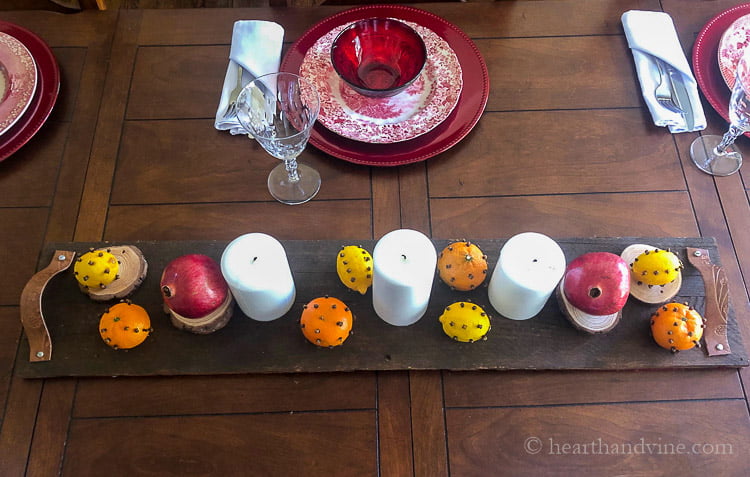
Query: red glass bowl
[[378, 57]]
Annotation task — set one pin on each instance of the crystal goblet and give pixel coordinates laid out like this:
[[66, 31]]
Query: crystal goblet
[[279, 110], [717, 155]]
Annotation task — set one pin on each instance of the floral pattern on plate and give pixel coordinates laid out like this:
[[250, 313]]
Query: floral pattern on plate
[[731, 46], [411, 113], [17, 80]]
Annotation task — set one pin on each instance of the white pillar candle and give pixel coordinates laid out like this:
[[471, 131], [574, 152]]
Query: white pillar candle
[[256, 269], [403, 270], [527, 272]]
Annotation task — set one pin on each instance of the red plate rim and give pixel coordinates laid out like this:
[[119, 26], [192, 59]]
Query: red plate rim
[[46, 94], [706, 62], [456, 126]]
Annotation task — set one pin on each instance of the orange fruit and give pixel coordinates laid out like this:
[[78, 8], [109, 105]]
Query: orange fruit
[[462, 266], [677, 327], [124, 325], [326, 322]]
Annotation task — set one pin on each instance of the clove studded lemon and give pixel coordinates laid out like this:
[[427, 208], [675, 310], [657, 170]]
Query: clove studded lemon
[[96, 269], [354, 267], [464, 321], [656, 267]]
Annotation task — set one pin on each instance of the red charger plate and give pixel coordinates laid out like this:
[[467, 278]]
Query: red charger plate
[[48, 87], [456, 126], [706, 60]]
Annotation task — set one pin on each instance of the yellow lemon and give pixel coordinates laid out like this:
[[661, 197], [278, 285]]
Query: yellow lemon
[[656, 267], [354, 267], [96, 269], [465, 322]]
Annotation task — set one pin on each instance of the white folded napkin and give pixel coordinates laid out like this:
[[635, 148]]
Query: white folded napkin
[[649, 35], [256, 48]]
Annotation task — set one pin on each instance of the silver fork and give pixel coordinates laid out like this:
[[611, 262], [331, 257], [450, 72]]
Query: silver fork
[[231, 110], [663, 91]]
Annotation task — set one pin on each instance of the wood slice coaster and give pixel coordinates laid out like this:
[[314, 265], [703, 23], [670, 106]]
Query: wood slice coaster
[[583, 321], [133, 270], [214, 321], [652, 294]]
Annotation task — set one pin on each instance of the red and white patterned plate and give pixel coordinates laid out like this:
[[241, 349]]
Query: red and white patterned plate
[[48, 87], [447, 134], [705, 58], [409, 114], [17, 80], [731, 46]]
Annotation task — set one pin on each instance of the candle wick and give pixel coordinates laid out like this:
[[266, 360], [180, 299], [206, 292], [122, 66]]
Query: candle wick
[[535, 260], [254, 259], [403, 256]]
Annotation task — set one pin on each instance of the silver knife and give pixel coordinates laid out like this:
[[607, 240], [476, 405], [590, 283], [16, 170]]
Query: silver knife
[[681, 97]]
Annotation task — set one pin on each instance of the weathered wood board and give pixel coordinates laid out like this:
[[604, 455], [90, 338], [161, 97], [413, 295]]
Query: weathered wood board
[[545, 342]]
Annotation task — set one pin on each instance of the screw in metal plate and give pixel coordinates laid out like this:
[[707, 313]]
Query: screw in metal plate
[[697, 253], [720, 347], [61, 257], [40, 354]]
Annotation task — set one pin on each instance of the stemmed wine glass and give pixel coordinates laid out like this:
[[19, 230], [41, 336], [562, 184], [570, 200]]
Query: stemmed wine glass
[[717, 155], [279, 111]]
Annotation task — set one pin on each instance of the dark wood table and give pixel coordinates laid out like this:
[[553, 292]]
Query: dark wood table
[[565, 147]]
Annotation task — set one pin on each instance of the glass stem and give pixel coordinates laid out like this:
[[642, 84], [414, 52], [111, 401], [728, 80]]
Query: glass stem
[[729, 137], [291, 169]]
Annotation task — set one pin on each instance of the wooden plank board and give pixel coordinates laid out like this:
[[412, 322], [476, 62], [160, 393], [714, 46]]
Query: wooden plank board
[[545, 342], [642, 438], [293, 443]]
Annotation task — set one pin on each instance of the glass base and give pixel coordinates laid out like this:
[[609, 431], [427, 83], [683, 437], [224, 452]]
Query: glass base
[[703, 154], [297, 192]]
